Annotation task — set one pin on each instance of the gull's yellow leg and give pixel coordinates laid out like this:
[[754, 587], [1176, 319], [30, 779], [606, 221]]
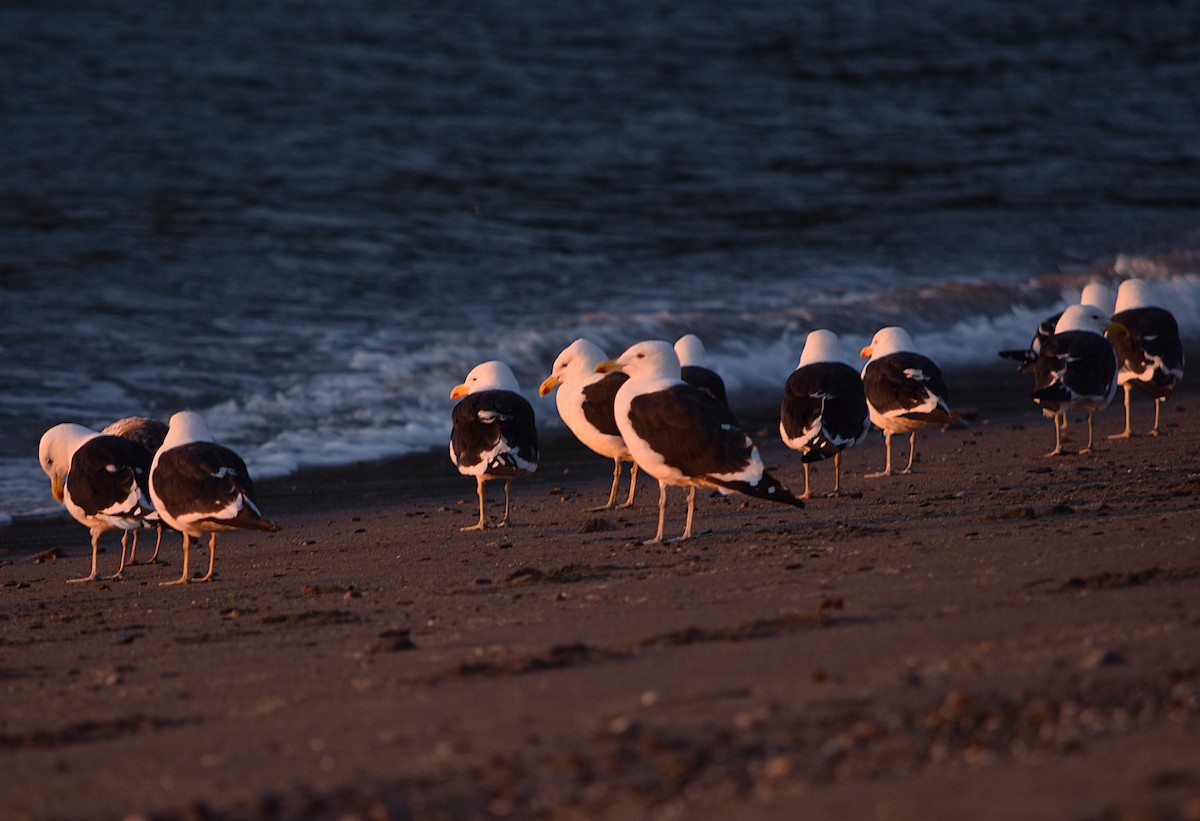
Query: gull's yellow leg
[[187, 553]]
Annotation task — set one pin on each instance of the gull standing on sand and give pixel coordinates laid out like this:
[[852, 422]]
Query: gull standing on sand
[[149, 433], [1076, 369], [694, 370], [682, 436], [494, 434], [100, 479], [585, 403], [200, 487], [824, 409], [905, 391], [1096, 294], [1150, 352]]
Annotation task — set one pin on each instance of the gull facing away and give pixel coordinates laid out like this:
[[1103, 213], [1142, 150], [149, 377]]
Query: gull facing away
[[149, 433], [1076, 369], [199, 486], [1096, 294], [1150, 351], [905, 391], [824, 408], [693, 368]]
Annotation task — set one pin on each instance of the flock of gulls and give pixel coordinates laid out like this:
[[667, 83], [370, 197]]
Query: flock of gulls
[[139, 472], [656, 406]]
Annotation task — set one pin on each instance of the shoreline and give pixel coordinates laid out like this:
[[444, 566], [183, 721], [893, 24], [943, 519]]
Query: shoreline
[[999, 635], [415, 476]]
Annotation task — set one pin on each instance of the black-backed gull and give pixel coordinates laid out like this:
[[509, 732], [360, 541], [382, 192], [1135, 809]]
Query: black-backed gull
[[1076, 369], [100, 479], [694, 370], [199, 486], [149, 433], [905, 391], [824, 408], [1150, 352], [494, 433], [682, 436]]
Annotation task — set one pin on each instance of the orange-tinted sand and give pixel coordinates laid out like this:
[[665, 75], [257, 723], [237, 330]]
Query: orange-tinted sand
[[999, 636]]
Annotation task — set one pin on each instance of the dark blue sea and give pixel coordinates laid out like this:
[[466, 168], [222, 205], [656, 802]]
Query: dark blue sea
[[307, 220]]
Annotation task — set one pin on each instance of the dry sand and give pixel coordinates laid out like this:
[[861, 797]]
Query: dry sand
[[998, 636]]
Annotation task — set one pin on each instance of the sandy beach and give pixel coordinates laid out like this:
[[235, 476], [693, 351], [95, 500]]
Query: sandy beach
[[998, 636]]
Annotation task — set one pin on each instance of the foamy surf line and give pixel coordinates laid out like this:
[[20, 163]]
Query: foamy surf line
[[384, 406]]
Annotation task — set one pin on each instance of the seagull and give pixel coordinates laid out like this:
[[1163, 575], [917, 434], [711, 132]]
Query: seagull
[[585, 403], [1076, 368], [694, 371], [1096, 294], [198, 487], [824, 409], [100, 479], [494, 434], [905, 391], [149, 433], [1150, 353], [682, 436]]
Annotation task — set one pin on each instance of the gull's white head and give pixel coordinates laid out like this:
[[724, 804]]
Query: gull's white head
[[820, 346], [650, 359], [888, 340], [1134, 293], [55, 450], [492, 375], [186, 427], [690, 350], [578, 359], [1082, 318], [1099, 295]]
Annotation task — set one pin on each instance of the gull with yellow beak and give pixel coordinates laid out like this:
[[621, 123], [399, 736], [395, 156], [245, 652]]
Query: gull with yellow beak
[[494, 434], [585, 403], [100, 479], [905, 391], [682, 436]]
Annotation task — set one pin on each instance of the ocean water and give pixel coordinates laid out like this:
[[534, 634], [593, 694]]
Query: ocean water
[[308, 220]]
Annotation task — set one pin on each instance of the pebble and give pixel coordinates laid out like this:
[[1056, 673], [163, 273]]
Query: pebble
[[1101, 658]]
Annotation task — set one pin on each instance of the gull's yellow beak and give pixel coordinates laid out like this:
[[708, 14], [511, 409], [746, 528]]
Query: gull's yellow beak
[[56, 487], [459, 391], [550, 383], [610, 366], [1116, 329], [866, 352]]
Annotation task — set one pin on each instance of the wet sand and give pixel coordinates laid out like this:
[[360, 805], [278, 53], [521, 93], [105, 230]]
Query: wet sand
[[997, 636]]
